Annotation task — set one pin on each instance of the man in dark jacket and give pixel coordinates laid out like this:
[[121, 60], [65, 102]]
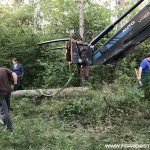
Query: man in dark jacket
[[19, 70], [84, 65], [5, 90]]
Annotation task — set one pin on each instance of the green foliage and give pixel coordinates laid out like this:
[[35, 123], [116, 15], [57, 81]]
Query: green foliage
[[68, 15], [114, 114], [18, 39], [22, 28], [96, 19]]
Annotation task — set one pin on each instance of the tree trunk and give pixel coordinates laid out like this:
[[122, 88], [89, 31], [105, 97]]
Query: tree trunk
[[48, 92], [81, 19]]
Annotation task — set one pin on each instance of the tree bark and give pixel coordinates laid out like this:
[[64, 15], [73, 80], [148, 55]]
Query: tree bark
[[48, 92], [81, 19]]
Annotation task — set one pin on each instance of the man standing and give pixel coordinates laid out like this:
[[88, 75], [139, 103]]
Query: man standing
[[5, 90], [19, 70], [77, 52], [84, 67], [144, 74]]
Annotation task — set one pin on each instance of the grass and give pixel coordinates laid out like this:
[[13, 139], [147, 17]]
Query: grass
[[84, 121]]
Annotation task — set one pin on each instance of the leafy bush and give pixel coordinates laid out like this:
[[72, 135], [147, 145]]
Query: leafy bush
[[112, 114]]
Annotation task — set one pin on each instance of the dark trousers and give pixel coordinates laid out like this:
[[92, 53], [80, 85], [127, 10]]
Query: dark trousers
[[5, 112], [83, 73], [7, 98], [19, 84], [146, 85]]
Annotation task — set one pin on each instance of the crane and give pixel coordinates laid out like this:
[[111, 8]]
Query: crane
[[118, 46]]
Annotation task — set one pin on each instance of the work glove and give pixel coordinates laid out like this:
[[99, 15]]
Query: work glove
[[15, 87]]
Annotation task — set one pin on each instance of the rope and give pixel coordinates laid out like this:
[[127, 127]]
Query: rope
[[58, 91]]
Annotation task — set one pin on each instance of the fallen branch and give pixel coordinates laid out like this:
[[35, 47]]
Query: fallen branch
[[30, 93]]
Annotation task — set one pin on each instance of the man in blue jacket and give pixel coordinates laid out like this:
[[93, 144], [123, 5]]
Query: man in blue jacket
[[19, 70]]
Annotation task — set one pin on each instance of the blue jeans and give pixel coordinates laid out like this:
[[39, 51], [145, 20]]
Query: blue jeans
[[5, 112]]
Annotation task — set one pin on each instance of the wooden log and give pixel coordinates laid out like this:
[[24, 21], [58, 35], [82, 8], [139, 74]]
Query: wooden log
[[48, 92]]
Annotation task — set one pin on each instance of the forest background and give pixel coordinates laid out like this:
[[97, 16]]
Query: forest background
[[113, 111]]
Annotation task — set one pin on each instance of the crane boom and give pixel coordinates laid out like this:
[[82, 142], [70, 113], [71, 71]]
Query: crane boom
[[126, 39]]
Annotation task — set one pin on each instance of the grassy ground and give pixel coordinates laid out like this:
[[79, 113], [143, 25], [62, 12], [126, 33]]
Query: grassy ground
[[84, 121]]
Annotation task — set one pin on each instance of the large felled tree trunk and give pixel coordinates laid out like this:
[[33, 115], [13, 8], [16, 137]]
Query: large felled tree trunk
[[48, 92]]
